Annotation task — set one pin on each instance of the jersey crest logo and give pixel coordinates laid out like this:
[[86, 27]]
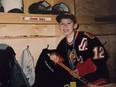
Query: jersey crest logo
[[74, 59]]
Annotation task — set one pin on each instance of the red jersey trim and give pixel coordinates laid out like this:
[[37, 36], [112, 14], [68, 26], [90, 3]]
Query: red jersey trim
[[99, 82]]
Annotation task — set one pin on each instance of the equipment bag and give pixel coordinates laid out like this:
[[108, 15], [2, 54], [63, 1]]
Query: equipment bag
[[18, 78], [6, 63]]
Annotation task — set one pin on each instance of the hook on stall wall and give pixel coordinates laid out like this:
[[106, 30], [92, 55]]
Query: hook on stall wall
[[104, 43], [27, 46], [47, 46]]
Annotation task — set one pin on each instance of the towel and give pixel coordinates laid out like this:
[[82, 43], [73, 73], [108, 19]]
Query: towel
[[27, 64]]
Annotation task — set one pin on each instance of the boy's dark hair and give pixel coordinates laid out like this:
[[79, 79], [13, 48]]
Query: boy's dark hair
[[66, 15]]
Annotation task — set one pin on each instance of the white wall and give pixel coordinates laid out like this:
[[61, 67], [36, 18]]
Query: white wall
[[19, 36]]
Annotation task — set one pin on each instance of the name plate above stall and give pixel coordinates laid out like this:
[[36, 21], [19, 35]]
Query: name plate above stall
[[44, 19], [14, 18]]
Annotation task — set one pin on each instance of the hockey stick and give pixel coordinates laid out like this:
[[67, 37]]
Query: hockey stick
[[76, 75]]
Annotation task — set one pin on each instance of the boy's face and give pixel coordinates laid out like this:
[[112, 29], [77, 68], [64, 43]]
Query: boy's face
[[67, 27]]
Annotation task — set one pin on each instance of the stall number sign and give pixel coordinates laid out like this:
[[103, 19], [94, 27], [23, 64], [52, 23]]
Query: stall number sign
[[44, 19]]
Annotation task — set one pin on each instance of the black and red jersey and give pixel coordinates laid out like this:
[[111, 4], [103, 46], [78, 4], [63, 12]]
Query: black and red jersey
[[87, 55]]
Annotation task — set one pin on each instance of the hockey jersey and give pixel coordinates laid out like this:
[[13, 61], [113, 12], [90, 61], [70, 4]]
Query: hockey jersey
[[87, 56]]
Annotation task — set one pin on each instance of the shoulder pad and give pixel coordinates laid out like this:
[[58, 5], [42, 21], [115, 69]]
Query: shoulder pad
[[90, 35]]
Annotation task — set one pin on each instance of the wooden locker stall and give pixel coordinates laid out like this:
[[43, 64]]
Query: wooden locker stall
[[36, 30]]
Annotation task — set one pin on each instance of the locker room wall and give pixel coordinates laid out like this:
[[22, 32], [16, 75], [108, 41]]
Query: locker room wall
[[85, 11], [36, 35], [20, 36]]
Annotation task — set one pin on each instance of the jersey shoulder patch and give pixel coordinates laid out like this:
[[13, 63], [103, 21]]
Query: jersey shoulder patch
[[90, 35]]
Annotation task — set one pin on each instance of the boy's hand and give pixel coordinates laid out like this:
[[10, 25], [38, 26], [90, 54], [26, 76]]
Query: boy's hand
[[54, 58]]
